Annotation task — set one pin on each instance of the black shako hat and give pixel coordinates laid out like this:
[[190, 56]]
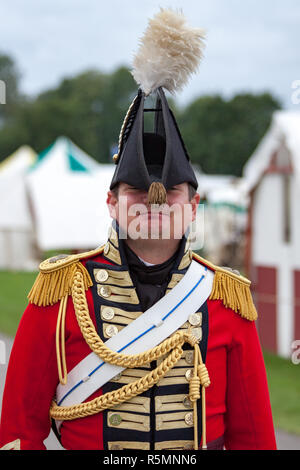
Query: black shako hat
[[156, 161], [152, 157]]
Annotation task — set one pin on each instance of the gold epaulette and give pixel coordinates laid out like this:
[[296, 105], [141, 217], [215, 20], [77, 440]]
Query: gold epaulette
[[55, 278], [232, 288]]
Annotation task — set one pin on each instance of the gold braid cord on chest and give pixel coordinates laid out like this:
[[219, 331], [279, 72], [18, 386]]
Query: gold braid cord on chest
[[171, 346]]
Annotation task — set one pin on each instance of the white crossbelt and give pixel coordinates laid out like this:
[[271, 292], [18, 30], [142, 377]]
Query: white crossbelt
[[146, 332]]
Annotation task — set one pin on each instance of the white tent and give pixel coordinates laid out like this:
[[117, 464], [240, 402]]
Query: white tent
[[16, 234], [68, 192]]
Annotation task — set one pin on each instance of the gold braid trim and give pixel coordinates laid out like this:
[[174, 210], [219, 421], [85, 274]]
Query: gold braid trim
[[98, 347], [13, 445], [111, 399], [232, 289]]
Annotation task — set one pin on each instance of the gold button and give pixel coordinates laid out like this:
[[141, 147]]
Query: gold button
[[116, 447], [187, 402], [195, 319], [111, 330], [106, 248], [117, 377], [189, 419], [197, 332], [107, 313], [189, 357], [115, 419], [189, 374], [102, 275], [105, 291], [188, 447]]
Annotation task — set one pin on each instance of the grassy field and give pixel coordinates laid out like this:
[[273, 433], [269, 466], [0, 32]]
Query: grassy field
[[283, 375], [14, 287], [284, 387]]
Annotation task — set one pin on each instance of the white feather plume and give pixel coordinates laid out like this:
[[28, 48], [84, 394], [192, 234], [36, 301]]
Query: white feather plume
[[169, 52]]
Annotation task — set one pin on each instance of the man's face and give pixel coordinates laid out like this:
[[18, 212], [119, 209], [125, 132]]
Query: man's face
[[139, 220]]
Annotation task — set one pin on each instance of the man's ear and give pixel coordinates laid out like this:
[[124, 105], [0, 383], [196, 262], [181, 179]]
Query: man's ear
[[195, 203], [112, 204]]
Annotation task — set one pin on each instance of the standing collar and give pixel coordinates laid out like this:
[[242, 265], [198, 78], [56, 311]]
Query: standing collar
[[116, 250]]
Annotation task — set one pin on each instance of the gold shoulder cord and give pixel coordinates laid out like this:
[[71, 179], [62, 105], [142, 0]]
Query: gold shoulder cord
[[116, 156], [172, 345]]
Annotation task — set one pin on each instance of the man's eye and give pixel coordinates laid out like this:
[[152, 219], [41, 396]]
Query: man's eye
[[135, 190]]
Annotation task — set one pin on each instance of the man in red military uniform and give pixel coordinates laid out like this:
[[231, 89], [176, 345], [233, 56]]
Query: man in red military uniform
[[141, 343]]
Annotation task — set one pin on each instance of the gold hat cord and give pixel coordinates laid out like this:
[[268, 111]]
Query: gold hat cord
[[116, 156], [172, 345]]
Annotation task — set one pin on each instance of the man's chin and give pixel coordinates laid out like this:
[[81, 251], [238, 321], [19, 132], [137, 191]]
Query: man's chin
[[157, 231]]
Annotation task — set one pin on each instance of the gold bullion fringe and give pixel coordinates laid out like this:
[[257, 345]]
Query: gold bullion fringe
[[108, 400], [235, 294]]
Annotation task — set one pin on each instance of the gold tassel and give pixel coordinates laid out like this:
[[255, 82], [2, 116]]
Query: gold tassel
[[234, 293], [157, 193], [52, 286]]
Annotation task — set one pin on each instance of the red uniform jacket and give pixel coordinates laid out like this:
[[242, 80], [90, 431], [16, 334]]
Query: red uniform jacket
[[237, 401]]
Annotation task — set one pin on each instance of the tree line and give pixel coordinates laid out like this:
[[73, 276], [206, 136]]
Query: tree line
[[89, 108]]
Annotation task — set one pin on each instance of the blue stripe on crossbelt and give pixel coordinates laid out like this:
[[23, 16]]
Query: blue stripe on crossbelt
[[135, 339]]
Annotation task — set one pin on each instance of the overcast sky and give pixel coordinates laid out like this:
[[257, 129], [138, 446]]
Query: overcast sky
[[252, 45]]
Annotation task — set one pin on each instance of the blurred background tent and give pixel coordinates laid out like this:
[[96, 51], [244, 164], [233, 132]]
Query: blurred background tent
[[16, 230], [67, 190], [272, 179], [224, 220]]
